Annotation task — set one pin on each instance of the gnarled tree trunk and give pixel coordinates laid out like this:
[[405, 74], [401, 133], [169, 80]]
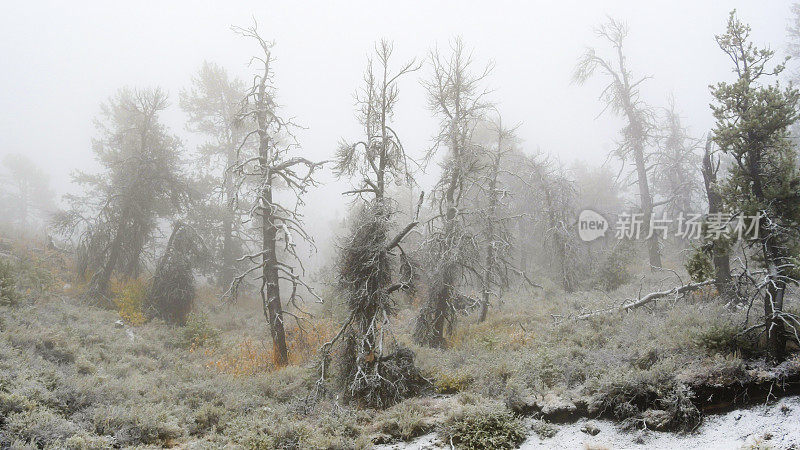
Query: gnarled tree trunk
[[719, 254], [271, 296]]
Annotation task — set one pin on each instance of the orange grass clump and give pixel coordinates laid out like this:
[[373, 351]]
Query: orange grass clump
[[250, 356]]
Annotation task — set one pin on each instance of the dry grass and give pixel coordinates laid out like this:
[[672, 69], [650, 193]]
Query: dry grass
[[67, 371], [68, 374], [250, 357]]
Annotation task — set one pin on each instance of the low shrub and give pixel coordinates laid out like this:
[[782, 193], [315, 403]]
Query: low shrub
[[137, 426], [723, 337], [85, 441], [406, 420], [481, 427], [35, 276], [198, 332], [266, 432], [84, 366], [544, 429], [284, 384], [303, 343], [13, 403], [613, 272], [40, 427], [278, 429], [247, 358], [8, 284], [56, 349], [207, 418], [337, 428], [452, 382]]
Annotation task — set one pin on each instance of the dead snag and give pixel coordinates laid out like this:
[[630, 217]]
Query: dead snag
[[374, 370], [257, 179]]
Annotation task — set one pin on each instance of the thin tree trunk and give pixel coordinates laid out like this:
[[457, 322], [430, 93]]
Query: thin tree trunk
[[773, 305], [444, 294], [131, 270], [228, 256], [490, 249], [226, 274], [719, 255], [487, 276], [654, 253], [559, 243], [637, 134], [722, 269], [773, 300], [100, 286], [487, 280]]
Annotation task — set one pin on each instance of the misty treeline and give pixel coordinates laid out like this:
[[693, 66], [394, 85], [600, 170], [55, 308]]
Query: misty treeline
[[500, 218], [26, 196]]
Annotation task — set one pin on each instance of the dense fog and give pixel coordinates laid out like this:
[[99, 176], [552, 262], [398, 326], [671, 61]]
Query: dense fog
[[420, 225]]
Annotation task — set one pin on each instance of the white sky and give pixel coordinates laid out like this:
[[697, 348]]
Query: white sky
[[60, 60]]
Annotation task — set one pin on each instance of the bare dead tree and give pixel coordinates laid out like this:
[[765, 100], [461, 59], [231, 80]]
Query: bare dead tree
[[552, 193], [749, 285], [677, 166], [457, 97], [374, 371], [496, 234], [494, 214], [622, 96], [258, 178]]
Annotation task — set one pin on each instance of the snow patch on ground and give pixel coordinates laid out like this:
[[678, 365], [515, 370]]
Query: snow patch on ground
[[776, 425]]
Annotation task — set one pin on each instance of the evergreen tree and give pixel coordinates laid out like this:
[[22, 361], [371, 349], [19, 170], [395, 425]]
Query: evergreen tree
[[213, 103], [141, 181], [753, 117]]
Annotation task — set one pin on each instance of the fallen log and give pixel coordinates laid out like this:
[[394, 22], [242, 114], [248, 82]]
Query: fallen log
[[676, 291]]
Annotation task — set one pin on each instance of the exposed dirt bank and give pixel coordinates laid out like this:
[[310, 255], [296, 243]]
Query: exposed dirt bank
[[773, 425]]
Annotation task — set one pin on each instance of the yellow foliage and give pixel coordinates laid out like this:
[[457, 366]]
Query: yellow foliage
[[129, 297], [452, 382]]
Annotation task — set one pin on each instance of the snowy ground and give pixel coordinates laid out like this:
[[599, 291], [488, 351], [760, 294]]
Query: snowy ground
[[766, 426]]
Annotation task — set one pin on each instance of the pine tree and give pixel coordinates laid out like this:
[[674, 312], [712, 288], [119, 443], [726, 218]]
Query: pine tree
[[753, 118]]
